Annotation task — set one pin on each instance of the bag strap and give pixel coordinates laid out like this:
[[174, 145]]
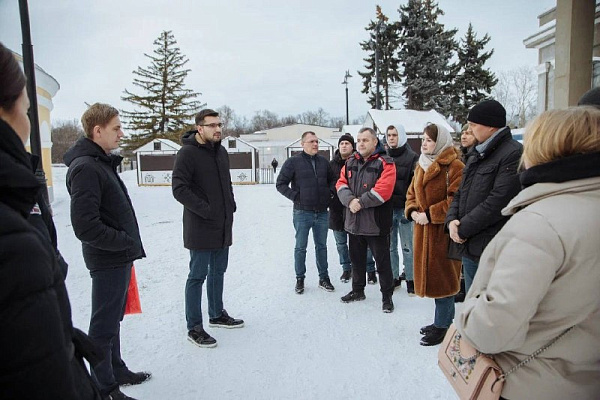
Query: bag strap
[[503, 376]]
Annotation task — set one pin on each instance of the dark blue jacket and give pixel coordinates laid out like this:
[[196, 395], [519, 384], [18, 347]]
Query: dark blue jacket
[[405, 159], [101, 211], [202, 183], [312, 182]]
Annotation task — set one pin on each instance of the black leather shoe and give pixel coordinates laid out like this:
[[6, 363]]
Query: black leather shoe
[[116, 394], [434, 336], [131, 378], [425, 329], [353, 296]]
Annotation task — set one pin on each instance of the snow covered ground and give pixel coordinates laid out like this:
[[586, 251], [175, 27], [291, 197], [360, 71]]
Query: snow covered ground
[[293, 347]]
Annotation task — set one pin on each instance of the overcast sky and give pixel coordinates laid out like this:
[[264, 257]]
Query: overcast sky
[[284, 56]]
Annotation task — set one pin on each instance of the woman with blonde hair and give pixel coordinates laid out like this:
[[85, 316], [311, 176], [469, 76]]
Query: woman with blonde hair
[[539, 277], [437, 177]]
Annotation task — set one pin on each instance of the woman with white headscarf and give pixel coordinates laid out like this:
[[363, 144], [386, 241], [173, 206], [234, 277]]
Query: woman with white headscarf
[[437, 177]]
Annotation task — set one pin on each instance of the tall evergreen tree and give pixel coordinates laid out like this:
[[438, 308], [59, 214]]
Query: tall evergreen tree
[[426, 50], [473, 82], [386, 41], [166, 108]]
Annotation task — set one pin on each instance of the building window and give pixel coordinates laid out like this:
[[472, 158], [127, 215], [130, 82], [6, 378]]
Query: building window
[[157, 146], [232, 144]]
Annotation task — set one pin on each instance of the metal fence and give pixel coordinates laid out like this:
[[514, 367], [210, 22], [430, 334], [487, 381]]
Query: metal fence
[[266, 175], [127, 165]]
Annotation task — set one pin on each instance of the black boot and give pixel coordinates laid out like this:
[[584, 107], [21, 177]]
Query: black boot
[[299, 285], [371, 278], [434, 336], [346, 276], [460, 296]]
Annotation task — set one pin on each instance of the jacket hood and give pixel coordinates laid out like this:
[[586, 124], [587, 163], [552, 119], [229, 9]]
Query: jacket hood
[[18, 184], [402, 138], [189, 138], [85, 147]]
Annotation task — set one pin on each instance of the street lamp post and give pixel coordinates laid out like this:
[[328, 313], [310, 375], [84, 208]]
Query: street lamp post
[[29, 68], [379, 29], [346, 83]]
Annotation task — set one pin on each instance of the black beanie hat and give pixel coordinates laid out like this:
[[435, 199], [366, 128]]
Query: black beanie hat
[[488, 113], [590, 98], [348, 138]]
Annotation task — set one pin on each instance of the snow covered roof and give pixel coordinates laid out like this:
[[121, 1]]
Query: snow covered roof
[[322, 144], [351, 130], [165, 145], [412, 120], [238, 139]]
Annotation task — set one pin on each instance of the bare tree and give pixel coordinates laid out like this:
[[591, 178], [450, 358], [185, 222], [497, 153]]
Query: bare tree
[[319, 117], [64, 134], [227, 116], [517, 91]]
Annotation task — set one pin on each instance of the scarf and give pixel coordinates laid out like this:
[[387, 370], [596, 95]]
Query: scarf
[[444, 140]]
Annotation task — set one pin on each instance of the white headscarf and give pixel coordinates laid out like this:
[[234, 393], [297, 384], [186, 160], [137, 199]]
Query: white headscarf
[[444, 140]]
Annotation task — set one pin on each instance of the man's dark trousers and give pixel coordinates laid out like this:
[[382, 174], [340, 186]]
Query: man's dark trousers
[[109, 295], [380, 247]]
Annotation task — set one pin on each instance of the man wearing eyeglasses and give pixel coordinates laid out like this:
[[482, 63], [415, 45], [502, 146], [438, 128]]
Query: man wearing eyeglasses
[[202, 183], [312, 186]]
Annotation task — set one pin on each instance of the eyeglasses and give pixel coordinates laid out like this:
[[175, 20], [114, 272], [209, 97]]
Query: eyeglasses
[[214, 125]]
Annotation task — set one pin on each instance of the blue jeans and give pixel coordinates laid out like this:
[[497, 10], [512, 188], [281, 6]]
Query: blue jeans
[[203, 263], [404, 228], [109, 295], [341, 242], [304, 221], [444, 312], [469, 271]]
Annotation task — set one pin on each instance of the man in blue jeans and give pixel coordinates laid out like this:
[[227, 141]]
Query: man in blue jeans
[[405, 159], [312, 186], [201, 182]]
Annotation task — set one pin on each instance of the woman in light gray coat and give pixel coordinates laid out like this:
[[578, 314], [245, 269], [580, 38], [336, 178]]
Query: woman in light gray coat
[[540, 275]]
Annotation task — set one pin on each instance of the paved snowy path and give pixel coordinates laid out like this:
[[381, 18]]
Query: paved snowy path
[[292, 347]]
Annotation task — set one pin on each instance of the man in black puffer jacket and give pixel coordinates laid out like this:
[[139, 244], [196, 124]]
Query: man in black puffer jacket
[[202, 183], [405, 159], [312, 186], [104, 220], [489, 182]]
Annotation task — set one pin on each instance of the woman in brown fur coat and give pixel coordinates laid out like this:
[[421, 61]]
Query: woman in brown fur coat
[[437, 177]]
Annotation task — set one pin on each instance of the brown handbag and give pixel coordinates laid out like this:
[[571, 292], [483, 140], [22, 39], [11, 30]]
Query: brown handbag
[[472, 374]]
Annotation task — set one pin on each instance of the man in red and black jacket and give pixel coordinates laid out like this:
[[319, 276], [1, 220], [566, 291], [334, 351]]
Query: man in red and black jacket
[[365, 188]]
